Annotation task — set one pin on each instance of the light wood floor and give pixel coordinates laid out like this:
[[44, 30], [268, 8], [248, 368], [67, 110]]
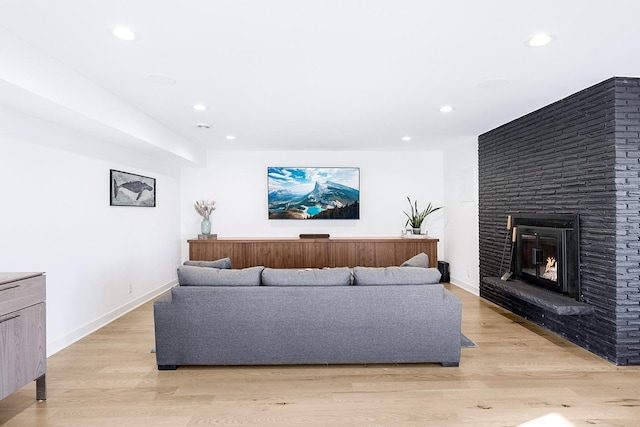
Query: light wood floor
[[518, 373]]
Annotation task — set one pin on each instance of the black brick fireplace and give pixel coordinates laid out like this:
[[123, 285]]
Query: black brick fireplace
[[578, 157]]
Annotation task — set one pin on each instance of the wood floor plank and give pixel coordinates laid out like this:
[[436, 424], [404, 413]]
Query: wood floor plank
[[518, 372]]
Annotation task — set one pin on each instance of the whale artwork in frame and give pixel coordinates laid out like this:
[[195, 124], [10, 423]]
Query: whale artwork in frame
[[129, 189]]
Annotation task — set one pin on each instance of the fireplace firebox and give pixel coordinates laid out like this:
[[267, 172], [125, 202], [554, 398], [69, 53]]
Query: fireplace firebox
[[546, 252]]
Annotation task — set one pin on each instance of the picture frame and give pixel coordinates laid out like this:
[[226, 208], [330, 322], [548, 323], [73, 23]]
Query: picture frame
[[130, 189], [308, 193]]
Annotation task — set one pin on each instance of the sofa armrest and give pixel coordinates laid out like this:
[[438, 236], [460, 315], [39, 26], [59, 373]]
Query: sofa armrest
[[164, 324], [166, 297]]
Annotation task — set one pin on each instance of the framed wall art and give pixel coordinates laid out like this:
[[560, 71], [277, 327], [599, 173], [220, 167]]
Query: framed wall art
[[313, 193], [128, 189]]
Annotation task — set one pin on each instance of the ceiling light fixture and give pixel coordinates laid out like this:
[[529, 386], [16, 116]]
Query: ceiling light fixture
[[124, 33], [203, 125], [406, 138], [541, 39], [199, 107], [231, 137], [446, 109]]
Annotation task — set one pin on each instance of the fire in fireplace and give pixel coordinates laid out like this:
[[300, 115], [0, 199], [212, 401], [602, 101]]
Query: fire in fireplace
[[547, 252]]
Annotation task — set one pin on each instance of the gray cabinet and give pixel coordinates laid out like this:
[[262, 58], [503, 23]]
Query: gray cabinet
[[23, 350]]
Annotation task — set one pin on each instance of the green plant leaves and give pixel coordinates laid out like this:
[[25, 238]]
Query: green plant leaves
[[417, 216]]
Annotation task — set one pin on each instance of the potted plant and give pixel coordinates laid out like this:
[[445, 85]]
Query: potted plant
[[417, 216]]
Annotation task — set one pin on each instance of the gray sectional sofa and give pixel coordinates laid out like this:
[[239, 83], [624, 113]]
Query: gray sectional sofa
[[263, 316]]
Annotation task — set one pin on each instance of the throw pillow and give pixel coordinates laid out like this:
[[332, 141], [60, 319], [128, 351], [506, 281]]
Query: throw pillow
[[189, 275], [308, 277], [219, 263], [420, 260], [375, 276]]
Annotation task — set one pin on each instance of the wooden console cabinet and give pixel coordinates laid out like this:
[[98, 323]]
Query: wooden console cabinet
[[313, 253], [23, 354]]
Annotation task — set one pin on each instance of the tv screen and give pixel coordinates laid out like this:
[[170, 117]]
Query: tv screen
[[313, 193]]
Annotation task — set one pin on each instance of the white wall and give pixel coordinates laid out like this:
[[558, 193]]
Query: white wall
[[55, 217], [237, 181], [461, 220], [55, 214]]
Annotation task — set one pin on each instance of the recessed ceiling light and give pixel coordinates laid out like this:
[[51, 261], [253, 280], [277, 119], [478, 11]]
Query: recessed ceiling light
[[541, 39], [161, 79], [124, 33], [231, 137], [406, 138], [446, 109], [203, 125], [199, 107]]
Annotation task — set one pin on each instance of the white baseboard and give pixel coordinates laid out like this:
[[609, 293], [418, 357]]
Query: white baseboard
[[473, 289], [55, 346]]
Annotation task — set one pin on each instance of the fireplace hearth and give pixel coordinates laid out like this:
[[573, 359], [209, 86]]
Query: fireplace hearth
[[545, 264]]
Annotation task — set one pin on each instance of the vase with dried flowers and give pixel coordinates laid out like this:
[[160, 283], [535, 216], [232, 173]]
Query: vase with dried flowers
[[204, 208]]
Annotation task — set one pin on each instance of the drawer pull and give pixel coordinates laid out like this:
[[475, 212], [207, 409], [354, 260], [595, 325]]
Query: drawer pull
[[15, 316], [9, 287]]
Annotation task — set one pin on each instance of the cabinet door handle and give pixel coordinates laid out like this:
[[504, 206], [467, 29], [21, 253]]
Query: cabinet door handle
[[9, 287], [15, 316]]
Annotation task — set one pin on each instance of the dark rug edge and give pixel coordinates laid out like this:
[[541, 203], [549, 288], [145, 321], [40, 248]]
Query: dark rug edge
[[465, 342]]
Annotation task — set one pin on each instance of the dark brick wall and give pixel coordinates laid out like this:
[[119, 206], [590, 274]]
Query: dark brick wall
[[578, 155], [627, 166]]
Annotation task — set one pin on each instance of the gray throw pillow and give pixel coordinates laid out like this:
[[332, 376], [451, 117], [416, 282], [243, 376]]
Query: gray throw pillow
[[189, 275], [219, 263], [308, 277], [420, 260], [376, 276]]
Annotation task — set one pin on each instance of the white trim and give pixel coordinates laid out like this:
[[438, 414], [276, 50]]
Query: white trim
[[465, 286], [78, 334]]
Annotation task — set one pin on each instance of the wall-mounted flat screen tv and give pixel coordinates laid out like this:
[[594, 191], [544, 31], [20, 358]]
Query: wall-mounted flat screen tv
[[313, 193]]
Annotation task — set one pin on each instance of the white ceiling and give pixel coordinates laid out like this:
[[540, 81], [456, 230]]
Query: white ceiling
[[328, 74]]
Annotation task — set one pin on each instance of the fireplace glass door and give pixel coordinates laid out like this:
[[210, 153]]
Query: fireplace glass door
[[540, 258]]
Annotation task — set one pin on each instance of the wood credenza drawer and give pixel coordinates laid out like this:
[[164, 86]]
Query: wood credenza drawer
[[23, 332], [23, 353], [20, 294]]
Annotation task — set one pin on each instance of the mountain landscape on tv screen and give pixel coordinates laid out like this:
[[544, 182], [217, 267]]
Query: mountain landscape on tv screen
[[327, 200]]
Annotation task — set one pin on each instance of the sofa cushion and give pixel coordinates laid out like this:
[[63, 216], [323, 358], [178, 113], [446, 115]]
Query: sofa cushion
[[420, 260], [371, 276], [219, 263], [307, 277], [189, 275]]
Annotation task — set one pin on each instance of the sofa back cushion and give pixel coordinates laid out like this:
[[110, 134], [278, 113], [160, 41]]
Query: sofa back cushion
[[219, 263], [375, 276], [306, 277], [189, 275], [420, 260]]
